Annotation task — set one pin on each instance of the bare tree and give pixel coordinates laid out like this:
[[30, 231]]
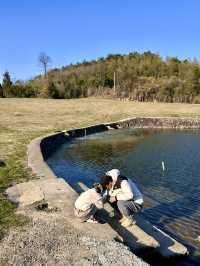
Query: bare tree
[[44, 61]]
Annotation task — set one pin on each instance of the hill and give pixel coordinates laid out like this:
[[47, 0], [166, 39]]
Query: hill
[[141, 77]]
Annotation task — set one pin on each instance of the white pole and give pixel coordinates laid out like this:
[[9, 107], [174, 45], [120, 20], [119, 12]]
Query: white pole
[[163, 166]]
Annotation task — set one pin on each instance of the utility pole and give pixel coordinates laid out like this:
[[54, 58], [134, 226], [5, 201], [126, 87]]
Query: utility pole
[[114, 83]]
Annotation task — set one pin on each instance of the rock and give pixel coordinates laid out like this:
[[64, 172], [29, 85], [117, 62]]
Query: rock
[[25, 193], [18, 114], [42, 206], [55, 192]]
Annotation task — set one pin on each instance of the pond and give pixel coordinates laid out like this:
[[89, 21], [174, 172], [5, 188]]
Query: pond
[[172, 196]]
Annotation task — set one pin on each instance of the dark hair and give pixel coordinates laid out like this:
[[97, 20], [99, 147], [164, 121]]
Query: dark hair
[[98, 187], [105, 180]]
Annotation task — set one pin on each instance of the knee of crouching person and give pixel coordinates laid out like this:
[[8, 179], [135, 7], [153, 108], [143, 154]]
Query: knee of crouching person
[[121, 204]]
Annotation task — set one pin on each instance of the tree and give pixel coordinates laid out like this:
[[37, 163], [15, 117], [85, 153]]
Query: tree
[[44, 61], [6, 84], [53, 91], [1, 91]]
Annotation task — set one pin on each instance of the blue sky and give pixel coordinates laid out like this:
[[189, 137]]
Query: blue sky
[[71, 31]]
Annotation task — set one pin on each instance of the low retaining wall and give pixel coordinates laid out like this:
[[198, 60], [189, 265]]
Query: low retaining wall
[[159, 122]]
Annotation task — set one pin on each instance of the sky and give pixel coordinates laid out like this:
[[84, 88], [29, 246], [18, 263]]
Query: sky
[[77, 30]]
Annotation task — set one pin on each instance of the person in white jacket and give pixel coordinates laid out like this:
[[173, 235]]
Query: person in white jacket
[[88, 203], [123, 195]]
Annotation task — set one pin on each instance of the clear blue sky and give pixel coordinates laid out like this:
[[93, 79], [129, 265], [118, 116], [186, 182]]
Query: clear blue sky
[[74, 30]]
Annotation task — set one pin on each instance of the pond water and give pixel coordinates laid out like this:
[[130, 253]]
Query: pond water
[[172, 196]]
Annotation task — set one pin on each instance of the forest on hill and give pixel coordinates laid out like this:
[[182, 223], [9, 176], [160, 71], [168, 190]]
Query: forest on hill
[[134, 76]]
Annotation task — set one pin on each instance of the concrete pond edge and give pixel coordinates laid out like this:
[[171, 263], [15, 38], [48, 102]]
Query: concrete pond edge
[[56, 191]]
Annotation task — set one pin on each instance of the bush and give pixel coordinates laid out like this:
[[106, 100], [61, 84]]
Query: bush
[[53, 91]]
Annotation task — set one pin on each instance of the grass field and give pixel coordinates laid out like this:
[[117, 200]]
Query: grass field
[[21, 120]]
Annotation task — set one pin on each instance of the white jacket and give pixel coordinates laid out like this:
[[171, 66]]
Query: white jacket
[[128, 189], [87, 198]]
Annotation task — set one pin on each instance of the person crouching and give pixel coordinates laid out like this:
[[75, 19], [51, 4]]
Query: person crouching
[[123, 195], [88, 203]]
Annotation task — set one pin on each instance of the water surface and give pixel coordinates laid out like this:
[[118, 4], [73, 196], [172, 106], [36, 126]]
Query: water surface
[[171, 196]]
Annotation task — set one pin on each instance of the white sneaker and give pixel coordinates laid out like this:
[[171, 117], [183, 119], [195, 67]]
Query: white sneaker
[[92, 220]]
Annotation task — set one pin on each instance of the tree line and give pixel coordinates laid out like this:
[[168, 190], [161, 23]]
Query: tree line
[[134, 76]]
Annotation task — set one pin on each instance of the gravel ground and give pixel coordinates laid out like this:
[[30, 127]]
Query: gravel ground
[[47, 240]]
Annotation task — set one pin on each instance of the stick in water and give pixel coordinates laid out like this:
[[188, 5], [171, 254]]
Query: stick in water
[[163, 166]]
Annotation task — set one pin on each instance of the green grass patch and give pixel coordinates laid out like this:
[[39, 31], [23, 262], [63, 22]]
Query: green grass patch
[[8, 217], [13, 172], [10, 174]]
